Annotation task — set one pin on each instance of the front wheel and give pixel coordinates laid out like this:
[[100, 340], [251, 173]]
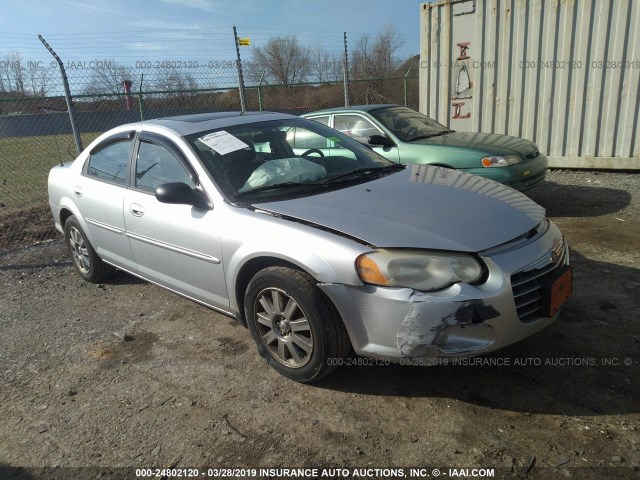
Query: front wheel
[[85, 259], [296, 329]]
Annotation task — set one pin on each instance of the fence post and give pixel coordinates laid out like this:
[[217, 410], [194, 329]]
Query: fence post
[[346, 72], [239, 66], [140, 98], [67, 96], [405, 85], [260, 91]]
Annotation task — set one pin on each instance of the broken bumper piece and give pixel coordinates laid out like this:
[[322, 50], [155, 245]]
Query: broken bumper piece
[[462, 320]]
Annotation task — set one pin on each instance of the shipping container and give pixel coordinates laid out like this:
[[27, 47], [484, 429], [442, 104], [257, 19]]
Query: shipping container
[[562, 73]]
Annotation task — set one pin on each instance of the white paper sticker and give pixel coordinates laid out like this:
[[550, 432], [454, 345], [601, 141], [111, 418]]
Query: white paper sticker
[[223, 142]]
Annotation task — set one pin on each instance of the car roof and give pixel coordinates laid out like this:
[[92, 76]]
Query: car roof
[[188, 124], [353, 108]]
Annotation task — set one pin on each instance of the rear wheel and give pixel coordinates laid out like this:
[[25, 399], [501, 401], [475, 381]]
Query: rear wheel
[[296, 329], [85, 260]]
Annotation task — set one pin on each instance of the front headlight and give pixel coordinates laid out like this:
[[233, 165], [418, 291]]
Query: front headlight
[[501, 160], [419, 270]]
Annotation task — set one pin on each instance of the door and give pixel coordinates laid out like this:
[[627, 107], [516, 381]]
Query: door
[[176, 246], [99, 193]]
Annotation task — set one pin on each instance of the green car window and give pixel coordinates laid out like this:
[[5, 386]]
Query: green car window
[[407, 124]]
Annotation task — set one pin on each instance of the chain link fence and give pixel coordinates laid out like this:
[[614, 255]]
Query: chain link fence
[[36, 133]]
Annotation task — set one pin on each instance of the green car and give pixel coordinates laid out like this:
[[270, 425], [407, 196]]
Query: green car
[[403, 135]]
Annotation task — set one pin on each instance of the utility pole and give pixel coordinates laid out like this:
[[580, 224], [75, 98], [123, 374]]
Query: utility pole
[[346, 72], [239, 66], [67, 95]]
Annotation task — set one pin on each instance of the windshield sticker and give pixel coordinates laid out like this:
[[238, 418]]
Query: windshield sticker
[[223, 142]]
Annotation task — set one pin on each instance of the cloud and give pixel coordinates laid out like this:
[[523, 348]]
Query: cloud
[[203, 5], [146, 46], [101, 9], [164, 25]]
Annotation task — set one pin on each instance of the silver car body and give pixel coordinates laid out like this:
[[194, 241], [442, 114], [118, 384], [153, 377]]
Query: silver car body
[[206, 255]]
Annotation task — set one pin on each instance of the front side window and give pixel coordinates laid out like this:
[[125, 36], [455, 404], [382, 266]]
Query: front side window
[[408, 125], [156, 165], [111, 162], [303, 138], [283, 158], [355, 126]]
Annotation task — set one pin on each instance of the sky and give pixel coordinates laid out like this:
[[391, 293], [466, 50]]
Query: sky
[[135, 31]]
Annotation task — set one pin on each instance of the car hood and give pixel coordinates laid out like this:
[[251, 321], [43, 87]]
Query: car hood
[[485, 142], [420, 207]]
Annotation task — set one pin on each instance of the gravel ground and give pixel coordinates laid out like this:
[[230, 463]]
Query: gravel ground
[[127, 374]]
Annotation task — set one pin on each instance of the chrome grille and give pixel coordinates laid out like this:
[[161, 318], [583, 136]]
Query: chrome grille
[[527, 286]]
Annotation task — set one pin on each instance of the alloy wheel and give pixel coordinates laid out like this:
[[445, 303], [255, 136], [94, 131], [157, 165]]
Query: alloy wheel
[[283, 327], [79, 251]]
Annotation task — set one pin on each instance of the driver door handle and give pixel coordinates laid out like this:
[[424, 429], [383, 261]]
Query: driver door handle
[[136, 210]]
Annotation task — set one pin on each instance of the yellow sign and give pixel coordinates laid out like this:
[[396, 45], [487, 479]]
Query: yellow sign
[[244, 42]]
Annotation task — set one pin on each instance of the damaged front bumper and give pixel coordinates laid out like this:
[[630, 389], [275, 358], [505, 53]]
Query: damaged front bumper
[[462, 320]]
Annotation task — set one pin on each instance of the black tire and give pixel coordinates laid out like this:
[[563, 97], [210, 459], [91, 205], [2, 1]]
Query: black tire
[[84, 258], [284, 331]]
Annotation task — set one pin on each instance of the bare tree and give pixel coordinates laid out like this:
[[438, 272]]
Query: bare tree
[[23, 78], [38, 79], [4, 84], [376, 59], [175, 80], [12, 73], [325, 67], [360, 58], [17, 68], [384, 48], [283, 60], [107, 79]]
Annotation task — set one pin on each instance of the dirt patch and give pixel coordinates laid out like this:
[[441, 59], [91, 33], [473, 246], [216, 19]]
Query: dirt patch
[[128, 374], [125, 348], [25, 225]]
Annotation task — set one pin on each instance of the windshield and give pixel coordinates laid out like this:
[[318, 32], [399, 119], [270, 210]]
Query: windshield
[[407, 124], [283, 158]]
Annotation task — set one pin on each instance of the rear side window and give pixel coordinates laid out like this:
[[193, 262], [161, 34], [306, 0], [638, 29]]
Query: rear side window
[[111, 162], [323, 120], [157, 165]]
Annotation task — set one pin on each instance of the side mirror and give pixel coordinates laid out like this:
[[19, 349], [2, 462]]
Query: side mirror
[[380, 140], [182, 194]]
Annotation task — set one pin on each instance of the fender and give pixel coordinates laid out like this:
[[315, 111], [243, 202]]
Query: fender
[[298, 244], [67, 203], [59, 182]]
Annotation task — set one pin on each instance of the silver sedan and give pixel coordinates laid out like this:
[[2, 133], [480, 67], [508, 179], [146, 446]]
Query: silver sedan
[[318, 251]]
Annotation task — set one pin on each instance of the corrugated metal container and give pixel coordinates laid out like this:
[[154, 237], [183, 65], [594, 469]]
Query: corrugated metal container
[[563, 73]]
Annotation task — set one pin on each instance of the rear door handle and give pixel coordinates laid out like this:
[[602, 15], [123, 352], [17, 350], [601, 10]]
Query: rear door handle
[[77, 191], [136, 210]]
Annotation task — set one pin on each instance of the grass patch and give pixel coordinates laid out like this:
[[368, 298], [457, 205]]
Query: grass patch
[[25, 163], [24, 167]]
